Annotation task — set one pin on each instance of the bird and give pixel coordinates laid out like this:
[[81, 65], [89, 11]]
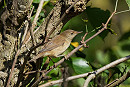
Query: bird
[[57, 45]]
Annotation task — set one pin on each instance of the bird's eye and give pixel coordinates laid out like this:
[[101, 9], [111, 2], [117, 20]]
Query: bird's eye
[[71, 33]]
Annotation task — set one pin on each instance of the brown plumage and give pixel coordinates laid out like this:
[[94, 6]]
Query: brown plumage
[[57, 45]]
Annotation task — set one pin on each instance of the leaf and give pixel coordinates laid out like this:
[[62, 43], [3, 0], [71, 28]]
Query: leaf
[[123, 48], [44, 60], [125, 36], [76, 44], [96, 17], [42, 14], [36, 1], [54, 73], [128, 2], [80, 65], [103, 58]]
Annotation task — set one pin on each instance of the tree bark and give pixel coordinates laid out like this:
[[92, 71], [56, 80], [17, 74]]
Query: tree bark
[[12, 18]]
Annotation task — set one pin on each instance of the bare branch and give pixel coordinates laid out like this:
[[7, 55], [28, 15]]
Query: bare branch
[[53, 29], [35, 21], [122, 11], [119, 81], [71, 53], [92, 76], [116, 5], [105, 27], [67, 79], [31, 31], [18, 51], [67, 11], [85, 74], [12, 69], [83, 39]]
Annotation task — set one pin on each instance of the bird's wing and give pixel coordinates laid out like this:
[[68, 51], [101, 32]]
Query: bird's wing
[[54, 43]]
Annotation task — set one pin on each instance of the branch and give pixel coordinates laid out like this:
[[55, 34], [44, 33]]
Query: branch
[[67, 11], [32, 35], [23, 66], [67, 79], [12, 69], [119, 81], [105, 27], [75, 50], [122, 11], [35, 21], [18, 51], [92, 76], [53, 29], [71, 53], [84, 75]]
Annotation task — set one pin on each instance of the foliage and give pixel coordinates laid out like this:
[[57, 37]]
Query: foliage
[[97, 55], [128, 2]]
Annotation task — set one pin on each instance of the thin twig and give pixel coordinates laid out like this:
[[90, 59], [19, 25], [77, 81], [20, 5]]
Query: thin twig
[[77, 76], [23, 66], [35, 21], [116, 5], [119, 81], [12, 69], [53, 29], [105, 27], [90, 77], [76, 49], [27, 25], [25, 32], [18, 51], [83, 39], [67, 57], [32, 35], [67, 79], [122, 11], [31, 72], [30, 3], [29, 16], [67, 11]]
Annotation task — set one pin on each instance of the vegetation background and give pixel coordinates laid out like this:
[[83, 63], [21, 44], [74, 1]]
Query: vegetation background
[[108, 46], [104, 48]]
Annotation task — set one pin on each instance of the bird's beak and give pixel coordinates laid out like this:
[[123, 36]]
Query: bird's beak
[[79, 32]]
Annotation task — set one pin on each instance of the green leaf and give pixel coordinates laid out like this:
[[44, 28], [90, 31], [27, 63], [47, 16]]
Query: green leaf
[[102, 58], [36, 1], [54, 73], [125, 36], [96, 17], [122, 49], [42, 14], [80, 65], [44, 60], [80, 82], [128, 2]]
